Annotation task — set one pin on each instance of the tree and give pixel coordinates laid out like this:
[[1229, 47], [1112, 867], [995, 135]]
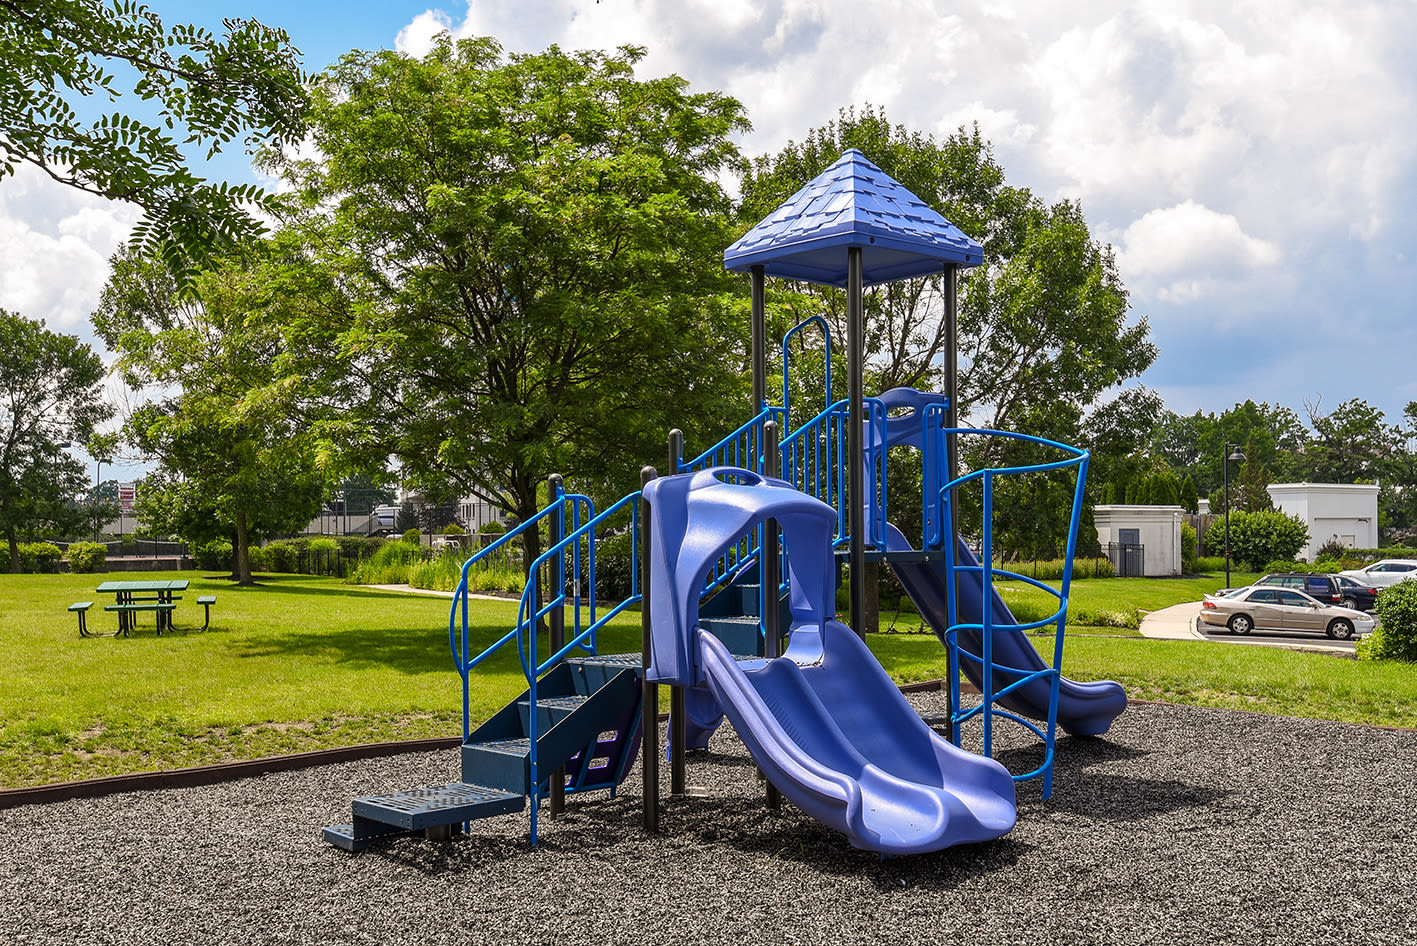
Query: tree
[[1190, 499], [236, 456], [50, 392], [1351, 444], [60, 58], [1043, 324], [532, 244]]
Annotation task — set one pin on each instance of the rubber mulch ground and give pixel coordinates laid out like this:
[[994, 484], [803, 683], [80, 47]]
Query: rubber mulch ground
[[1180, 826]]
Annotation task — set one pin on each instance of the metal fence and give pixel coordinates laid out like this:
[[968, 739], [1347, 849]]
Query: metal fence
[[1128, 559]]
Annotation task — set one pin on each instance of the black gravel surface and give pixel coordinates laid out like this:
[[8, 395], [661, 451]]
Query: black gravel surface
[[1180, 826]]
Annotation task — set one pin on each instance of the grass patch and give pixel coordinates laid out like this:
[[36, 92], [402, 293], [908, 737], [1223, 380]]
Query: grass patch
[[302, 663]]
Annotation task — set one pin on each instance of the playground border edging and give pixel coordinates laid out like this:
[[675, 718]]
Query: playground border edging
[[197, 775]]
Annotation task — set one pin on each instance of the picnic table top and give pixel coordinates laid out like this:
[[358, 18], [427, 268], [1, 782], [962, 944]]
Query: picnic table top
[[168, 584]]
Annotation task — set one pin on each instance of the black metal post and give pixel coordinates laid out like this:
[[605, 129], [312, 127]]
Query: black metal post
[[771, 581], [649, 705], [556, 633], [760, 340], [677, 721], [855, 440], [1225, 463]]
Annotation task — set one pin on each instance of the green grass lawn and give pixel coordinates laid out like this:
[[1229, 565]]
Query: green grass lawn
[[302, 663]]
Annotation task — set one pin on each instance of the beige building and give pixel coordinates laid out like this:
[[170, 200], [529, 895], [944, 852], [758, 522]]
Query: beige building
[[1144, 540], [1338, 512]]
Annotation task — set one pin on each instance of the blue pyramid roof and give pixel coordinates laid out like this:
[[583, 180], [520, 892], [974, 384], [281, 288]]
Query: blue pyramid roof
[[852, 203]]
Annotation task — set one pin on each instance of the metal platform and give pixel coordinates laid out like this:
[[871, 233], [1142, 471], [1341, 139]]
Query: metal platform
[[378, 817]]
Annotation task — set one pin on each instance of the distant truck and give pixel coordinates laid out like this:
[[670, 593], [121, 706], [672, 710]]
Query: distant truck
[[384, 517]]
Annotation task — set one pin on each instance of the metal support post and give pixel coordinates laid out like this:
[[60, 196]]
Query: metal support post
[[556, 634], [677, 721], [770, 572], [855, 439], [760, 341], [649, 706]]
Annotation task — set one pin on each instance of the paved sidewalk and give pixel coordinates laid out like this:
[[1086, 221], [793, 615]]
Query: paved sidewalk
[[1177, 622]]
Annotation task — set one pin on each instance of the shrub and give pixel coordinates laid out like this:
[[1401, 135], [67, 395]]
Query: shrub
[[412, 536], [492, 527], [453, 528], [1396, 635], [214, 554], [87, 557], [390, 565], [1259, 537], [283, 557], [1332, 550], [260, 561], [1188, 549], [40, 557], [1209, 563]]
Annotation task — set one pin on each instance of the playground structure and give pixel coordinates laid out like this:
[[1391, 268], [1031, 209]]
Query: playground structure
[[736, 554]]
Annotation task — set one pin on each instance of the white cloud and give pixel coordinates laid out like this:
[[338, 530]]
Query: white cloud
[[56, 242], [1191, 244], [416, 39]]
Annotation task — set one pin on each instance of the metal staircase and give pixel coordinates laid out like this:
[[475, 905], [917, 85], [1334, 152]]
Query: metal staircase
[[587, 722]]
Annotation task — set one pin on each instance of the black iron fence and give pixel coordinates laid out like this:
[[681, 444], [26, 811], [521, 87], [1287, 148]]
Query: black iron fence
[[1128, 558]]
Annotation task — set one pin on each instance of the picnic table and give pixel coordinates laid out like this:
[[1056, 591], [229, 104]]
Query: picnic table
[[135, 597]]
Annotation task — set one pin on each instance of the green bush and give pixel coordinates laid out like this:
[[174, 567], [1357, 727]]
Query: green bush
[[1396, 635], [214, 554], [1331, 551], [1188, 548], [390, 565], [453, 528], [283, 557], [492, 575], [412, 536], [1259, 537], [322, 544], [492, 527], [87, 557], [39, 557], [358, 546], [260, 561], [1290, 565], [1210, 563]]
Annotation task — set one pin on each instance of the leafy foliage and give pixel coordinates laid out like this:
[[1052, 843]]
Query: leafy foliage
[[236, 455], [1395, 637], [1257, 538], [40, 557], [528, 247], [50, 392], [87, 556], [62, 56]]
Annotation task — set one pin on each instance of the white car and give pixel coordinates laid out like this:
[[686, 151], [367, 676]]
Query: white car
[[1387, 572]]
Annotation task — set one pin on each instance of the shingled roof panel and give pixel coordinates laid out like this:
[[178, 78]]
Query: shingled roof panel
[[852, 203]]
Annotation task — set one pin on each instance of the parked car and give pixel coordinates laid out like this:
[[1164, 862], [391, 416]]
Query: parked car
[[1268, 608], [1357, 594], [1387, 572], [1325, 588]]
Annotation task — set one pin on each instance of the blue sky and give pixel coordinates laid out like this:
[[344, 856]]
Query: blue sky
[[1253, 162]]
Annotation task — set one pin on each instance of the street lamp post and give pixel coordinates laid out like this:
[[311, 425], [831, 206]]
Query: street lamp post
[[1225, 462]]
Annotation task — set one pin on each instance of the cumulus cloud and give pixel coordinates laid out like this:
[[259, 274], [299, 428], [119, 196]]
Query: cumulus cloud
[[56, 241], [1187, 248]]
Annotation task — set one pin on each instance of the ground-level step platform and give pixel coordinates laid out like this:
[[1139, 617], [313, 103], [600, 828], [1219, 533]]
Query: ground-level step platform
[[422, 809]]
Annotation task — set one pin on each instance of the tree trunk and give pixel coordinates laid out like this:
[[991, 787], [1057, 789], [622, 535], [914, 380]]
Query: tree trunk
[[243, 554], [14, 551]]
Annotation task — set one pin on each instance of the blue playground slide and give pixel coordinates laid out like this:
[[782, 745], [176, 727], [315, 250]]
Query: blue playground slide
[[824, 722], [1084, 709]]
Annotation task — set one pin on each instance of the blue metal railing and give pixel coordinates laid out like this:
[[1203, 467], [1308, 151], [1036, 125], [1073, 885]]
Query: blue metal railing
[[814, 460], [746, 448], [939, 501], [578, 523], [810, 321]]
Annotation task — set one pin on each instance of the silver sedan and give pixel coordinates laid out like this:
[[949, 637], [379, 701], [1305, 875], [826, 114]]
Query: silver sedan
[[1267, 608]]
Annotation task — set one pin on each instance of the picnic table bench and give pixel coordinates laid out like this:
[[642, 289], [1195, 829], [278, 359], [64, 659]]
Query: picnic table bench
[[134, 597]]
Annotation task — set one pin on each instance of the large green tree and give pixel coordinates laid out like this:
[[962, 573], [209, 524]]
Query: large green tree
[[65, 59], [50, 393], [236, 457], [530, 249]]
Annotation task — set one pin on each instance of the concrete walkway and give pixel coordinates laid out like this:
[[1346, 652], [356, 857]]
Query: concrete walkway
[[1177, 622]]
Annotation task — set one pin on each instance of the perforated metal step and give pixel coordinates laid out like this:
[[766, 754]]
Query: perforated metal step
[[429, 807]]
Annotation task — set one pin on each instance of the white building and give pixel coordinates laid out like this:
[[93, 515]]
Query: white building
[[1151, 534], [1338, 512]]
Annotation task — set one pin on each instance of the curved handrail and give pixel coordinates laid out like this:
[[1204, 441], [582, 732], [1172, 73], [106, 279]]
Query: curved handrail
[[820, 322]]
